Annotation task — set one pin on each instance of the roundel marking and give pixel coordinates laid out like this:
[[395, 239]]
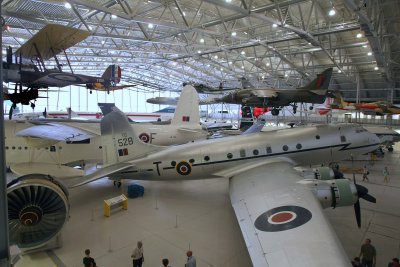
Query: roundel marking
[[282, 218], [144, 137], [183, 168], [65, 77]]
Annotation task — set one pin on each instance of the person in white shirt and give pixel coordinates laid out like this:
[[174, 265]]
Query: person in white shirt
[[191, 260], [137, 255]]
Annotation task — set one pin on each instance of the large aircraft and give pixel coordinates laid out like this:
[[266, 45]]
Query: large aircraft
[[55, 146], [315, 92], [44, 45], [279, 214]]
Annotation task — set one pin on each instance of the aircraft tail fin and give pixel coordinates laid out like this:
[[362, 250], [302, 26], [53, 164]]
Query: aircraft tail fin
[[187, 109], [112, 73], [321, 82], [107, 108], [120, 141], [338, 101], [247, 119]]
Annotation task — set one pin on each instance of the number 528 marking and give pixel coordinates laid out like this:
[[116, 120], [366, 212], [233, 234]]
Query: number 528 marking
[[125, 141]]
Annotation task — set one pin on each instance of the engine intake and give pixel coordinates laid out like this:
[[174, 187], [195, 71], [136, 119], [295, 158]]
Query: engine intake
[[38, 208]]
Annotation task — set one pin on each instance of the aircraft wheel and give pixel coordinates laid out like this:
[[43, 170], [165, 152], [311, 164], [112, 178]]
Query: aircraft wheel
[[294, 110], [275, 112], [90, 92], [311, 108], [390, 149], [119, 184]]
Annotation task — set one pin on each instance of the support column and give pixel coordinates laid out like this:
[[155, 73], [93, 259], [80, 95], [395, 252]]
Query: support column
[[4, 240]]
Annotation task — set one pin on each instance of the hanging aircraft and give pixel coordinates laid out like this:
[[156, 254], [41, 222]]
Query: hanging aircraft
[[278, 211], [44, 45], [378, 108], [315, 92], [55, 146]]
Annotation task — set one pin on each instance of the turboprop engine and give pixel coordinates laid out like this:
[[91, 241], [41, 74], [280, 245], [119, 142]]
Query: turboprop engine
[[333, 190], [38, 208]]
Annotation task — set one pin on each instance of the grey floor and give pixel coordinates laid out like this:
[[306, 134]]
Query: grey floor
[[175, 216]]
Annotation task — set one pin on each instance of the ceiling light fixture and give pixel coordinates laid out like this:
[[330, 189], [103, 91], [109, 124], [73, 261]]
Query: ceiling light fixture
[[233, 33], [365, 46], [376, 68], [339, 71], [201, 40], [113, 16], [274, 25], [198, 51], [67, 5], [150, 26], [243, 52], [332, 12], [369, 54], [216, 56], [359, 35]]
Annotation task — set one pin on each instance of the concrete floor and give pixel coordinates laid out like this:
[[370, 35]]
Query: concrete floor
[[175, 216]]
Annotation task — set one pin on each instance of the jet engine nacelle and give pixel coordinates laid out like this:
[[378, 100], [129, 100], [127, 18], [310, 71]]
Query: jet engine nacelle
[[38, 208], [336, 193]]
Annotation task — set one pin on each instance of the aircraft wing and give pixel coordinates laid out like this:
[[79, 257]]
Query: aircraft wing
[[55, 132], [281, 220], [103, 172], [50, 41], [265, 92]]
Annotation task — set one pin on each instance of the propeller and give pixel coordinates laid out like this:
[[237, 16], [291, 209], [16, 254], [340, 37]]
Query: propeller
[[10, 113], [362, 192]]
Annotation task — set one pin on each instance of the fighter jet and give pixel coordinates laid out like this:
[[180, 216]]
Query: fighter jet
[[315, 92]]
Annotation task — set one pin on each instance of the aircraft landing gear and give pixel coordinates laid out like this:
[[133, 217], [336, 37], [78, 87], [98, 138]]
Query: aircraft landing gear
[[33, 105], [90, 92], [390, 148], [275, 112], [311, 108], [117, 184], [294, 109]]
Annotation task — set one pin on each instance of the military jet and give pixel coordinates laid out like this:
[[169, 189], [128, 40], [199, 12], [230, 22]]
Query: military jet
[[315, 92]]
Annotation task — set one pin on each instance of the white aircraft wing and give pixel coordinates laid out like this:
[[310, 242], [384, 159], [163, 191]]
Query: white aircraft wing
[[55, 132], [103, 172], [281, 220], [265, 92]]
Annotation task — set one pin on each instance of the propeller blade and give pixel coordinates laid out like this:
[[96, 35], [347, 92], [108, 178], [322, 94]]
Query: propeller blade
[[10, 113], [361, 190], [357, 211], [369, 198]]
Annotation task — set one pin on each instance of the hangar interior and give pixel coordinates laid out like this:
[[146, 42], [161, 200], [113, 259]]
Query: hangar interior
[[162, 44]]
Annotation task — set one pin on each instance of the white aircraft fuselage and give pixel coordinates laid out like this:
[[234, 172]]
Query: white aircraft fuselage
[[29, 150], [216, 158]]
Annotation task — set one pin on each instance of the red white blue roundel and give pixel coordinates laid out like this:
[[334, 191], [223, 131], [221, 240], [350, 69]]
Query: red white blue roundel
[[183, 168], [282, 218], [144, 137]]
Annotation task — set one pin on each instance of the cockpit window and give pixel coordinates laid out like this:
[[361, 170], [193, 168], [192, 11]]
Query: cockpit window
[[343, 138]]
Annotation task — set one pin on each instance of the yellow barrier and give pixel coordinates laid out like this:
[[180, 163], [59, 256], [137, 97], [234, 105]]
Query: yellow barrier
[[113, 203]]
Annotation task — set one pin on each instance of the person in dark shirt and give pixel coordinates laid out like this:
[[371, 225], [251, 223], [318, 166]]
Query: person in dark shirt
[[87, 260], [368, 254]]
